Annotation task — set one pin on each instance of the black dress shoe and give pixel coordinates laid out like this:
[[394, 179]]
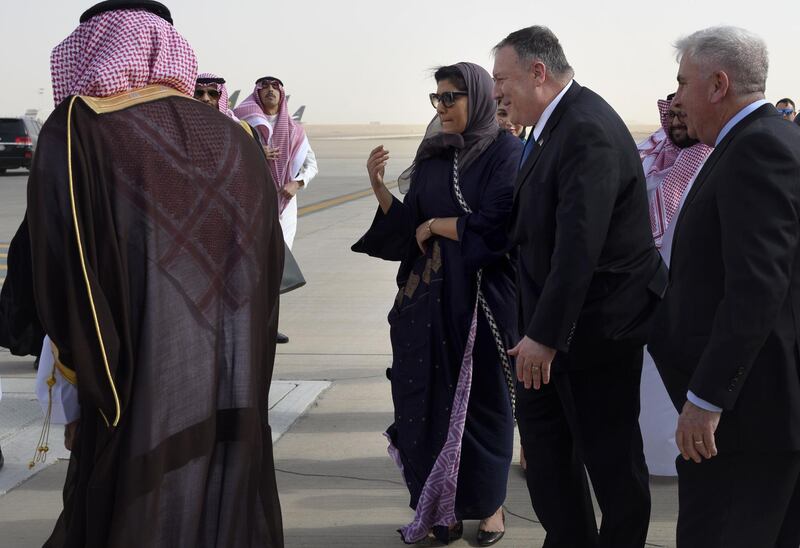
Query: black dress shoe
[[2, 460], [446, 535], [488, 538], [282, 339], [456, 532]]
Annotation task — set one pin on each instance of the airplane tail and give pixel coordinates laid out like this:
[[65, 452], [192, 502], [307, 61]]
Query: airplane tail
[[233, 98], [298, 116]]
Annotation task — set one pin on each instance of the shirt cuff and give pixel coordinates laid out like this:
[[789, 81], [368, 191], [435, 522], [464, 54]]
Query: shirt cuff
[[701, 403]]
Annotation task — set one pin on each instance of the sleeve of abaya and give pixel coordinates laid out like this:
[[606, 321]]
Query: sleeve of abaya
[[483, 234], [390, 234], [20, 330], [71, 304]]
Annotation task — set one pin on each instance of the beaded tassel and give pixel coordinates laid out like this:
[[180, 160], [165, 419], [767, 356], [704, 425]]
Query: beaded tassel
[[40, 456]]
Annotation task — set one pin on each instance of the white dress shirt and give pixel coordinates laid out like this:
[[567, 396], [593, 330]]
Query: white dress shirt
[[537, 130]]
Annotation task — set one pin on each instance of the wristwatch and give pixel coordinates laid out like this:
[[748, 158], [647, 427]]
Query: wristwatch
[[429, 224]]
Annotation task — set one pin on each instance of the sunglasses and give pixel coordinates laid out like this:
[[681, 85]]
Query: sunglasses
[[786, 111], [274, 83], [198, 93], [448, 98]]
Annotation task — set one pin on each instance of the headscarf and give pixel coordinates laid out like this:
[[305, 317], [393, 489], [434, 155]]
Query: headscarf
[[678, 166], [287, 136], [116, 51], [481, 131], [223, 92]]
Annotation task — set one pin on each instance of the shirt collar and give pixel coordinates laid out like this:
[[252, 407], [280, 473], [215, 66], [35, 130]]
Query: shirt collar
[[741, 115], [537, 131]]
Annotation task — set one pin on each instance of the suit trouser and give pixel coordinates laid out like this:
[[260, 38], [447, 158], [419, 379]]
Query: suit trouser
[[741, 500], [587, 420]]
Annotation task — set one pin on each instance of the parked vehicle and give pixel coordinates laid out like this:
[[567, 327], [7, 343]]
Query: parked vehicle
[[18, 137]]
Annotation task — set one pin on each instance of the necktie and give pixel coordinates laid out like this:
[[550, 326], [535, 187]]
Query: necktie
[[530, 143]]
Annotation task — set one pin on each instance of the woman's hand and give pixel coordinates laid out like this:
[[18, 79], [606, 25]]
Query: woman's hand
[[424, 233], [376, 166]]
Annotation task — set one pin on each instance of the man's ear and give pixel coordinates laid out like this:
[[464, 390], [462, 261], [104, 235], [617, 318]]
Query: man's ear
[[720, 85], [539, 71]]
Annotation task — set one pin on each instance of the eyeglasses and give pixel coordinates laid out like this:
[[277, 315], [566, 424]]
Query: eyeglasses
[[786, 111], [448, 98], [213, 93]]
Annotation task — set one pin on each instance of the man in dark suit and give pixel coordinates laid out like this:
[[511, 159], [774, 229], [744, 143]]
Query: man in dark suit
[[726, 337], [589, 278]]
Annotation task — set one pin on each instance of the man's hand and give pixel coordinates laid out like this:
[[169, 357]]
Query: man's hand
[[533, 362], [695, 433], [272, 153], [290, 189], [70, 433]]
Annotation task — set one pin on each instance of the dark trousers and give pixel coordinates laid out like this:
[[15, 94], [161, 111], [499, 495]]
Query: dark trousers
[[588, 420], [742, 500]]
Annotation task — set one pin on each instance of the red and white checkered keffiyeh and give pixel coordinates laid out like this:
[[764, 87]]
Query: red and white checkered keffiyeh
[[678, 166], [117, 51], [288, 137], [223, 94]]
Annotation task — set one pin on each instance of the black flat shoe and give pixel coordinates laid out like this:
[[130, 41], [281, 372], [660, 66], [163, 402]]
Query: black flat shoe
[[488, 538], [282, 339]]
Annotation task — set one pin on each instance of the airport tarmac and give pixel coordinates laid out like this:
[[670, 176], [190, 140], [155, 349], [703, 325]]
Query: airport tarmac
[[338, 486]]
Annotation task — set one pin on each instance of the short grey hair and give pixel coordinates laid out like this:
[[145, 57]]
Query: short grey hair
[[538, 43], [738, 52]]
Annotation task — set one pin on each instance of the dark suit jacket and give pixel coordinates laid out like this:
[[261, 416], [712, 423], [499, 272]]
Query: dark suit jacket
[[588, 268], [728, 327]]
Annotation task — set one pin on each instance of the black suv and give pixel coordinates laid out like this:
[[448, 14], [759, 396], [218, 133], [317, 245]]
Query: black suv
[[18, 138]]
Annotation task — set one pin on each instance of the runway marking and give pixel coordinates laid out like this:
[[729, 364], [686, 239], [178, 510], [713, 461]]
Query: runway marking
[[339, 200]]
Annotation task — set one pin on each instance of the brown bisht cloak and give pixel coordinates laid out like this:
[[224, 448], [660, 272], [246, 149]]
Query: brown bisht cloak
[[157, 258]]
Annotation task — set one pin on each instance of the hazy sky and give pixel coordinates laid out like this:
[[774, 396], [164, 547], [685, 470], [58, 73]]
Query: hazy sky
[[360, 61]]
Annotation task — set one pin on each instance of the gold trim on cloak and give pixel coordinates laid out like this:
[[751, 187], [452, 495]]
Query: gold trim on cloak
[[76, 224], [121, 101]]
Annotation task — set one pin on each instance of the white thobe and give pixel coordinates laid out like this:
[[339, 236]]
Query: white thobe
[[305, 173], [64, 396], [658, 417]]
